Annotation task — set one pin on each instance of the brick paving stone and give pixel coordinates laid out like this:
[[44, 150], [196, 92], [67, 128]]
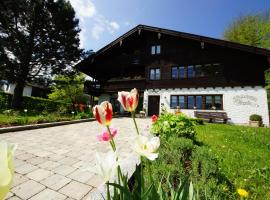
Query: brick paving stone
[[43, 153], [95, 181], [64, 170], [9, 195], [68, 161], [49, 165], [55, 181], [14, 198], [48, 194], [55, 157], [69, 152], [25, 168], [27, 189], [75, 190], [18, 179], [25, 156], [18, 162], [39, 174], [80, 175], [36, 160]]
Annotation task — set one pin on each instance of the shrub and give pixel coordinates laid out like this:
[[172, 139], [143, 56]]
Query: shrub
[[197, 121], [174, 125], [255, 117]]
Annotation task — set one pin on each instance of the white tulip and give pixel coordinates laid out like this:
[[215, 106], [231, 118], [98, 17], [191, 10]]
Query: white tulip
[[106, 165], [6, 167], [147, 146]]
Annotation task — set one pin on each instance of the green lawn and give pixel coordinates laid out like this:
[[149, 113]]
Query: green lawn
[[243, 153]]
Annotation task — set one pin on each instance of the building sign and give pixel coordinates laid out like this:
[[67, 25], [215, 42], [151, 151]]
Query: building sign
[[245, 100]]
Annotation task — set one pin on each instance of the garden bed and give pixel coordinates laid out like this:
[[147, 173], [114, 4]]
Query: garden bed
[[218, 159]]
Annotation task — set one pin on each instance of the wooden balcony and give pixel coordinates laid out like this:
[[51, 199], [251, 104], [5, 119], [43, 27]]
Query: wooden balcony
[[115, 85]]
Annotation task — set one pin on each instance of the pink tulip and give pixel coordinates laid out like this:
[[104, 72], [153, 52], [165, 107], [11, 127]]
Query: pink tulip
[[105, 136], [129, 100], [103, 113]]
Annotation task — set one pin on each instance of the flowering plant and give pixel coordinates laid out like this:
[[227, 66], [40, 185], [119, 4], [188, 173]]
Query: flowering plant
[[145, 145]]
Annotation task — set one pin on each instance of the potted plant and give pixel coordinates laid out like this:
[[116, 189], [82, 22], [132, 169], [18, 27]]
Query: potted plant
[[255, 120]]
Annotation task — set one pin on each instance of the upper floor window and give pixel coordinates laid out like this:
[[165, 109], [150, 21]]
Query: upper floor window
[[178, 72], [155, 74], [190, 71], [156, 49]]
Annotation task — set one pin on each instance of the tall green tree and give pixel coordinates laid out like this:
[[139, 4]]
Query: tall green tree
[[38, 39], [68, 89], [251, 30]]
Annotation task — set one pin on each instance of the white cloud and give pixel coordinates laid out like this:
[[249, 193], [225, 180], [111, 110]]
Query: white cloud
[[96, 31], [91, 21], [114, 25], [84, 8]]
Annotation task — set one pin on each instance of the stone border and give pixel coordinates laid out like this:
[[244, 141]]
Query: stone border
[[44, 125]]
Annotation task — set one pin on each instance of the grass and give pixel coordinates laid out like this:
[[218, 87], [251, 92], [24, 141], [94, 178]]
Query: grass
[[243, 154]]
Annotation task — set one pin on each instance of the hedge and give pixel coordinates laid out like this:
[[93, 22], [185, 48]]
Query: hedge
[[32, 103]]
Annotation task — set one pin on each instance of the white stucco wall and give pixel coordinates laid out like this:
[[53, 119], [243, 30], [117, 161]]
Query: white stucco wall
[[238, 102]]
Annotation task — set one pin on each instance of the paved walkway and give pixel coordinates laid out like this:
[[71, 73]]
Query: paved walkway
[[57, 163]]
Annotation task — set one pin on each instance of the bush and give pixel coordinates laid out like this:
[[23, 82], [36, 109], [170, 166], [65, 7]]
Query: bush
[[4, 101], [174, 125], [33, 104], [197, 121], [255, 117]]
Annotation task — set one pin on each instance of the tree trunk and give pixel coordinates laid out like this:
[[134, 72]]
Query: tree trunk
[[17, 96]]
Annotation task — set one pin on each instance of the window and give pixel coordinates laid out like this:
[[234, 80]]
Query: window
[[208, 102], [182, 73], [198, 71], [201, 102], [181, 100], [178, 72], [155, 74], [217, 102], [190, 71], [174, 101], [177, 100], [155, 50], [174, 72], [191, 102]]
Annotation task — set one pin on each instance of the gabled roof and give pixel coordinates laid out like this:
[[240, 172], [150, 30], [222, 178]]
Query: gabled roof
[[200, 38]]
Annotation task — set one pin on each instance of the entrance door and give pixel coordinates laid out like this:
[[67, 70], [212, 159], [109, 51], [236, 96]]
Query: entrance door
[[153, 105]]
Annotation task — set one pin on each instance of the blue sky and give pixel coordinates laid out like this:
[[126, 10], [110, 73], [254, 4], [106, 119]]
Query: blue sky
[[102, 21]]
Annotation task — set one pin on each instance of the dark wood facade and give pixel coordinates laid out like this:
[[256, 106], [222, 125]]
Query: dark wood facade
[[126, 62]]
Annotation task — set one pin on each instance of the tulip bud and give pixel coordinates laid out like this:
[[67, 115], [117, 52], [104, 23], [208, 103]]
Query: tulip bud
[[129, 100], [103, 113]]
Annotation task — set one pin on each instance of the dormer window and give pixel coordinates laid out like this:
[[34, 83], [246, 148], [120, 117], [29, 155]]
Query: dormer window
[[155, 50]]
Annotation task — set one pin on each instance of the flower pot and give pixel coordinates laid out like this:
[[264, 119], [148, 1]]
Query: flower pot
[[255, 123]]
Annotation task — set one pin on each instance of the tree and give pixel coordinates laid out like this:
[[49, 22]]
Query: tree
[[68, 89], [251, 30], [38, 39]]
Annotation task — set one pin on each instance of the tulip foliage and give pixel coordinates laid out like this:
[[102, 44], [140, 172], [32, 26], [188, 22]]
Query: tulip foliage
[[145, 145]]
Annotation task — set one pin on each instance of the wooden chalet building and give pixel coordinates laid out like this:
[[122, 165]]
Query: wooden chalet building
[[171, 68]]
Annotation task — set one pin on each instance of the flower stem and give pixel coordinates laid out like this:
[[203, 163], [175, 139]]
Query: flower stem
[[111, 139], [133, 117]]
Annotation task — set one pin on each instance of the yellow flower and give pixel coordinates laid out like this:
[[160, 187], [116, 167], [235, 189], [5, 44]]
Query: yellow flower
[[242, 192], [6, 168]]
